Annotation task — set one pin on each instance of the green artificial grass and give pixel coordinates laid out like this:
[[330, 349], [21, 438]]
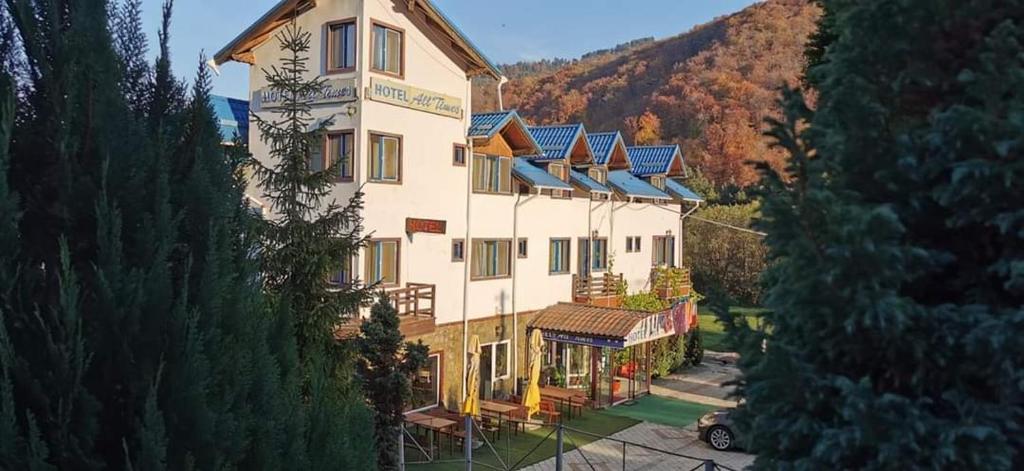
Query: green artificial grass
[[662, 410], [600, 423]]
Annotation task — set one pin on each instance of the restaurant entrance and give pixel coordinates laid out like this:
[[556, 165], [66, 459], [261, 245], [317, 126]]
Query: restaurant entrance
[[602, 353]]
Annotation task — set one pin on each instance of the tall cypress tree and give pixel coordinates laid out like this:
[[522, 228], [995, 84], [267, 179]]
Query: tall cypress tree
[[896, 290], [133, 329]]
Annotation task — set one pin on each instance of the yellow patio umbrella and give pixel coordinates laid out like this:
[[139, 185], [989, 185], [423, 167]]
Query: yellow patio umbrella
[[532, 397], [471, 406]]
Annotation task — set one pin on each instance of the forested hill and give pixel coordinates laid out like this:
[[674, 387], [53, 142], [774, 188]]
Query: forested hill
[[708, 89]]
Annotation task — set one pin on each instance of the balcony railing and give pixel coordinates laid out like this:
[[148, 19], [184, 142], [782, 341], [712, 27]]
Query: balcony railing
[[671, 282], [415, 299], [600, 289]]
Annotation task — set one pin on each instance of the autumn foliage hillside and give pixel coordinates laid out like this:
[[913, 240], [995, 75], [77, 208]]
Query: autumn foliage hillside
[[708, 90]]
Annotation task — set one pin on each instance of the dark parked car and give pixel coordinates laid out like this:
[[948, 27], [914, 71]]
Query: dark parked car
[[716, 428]]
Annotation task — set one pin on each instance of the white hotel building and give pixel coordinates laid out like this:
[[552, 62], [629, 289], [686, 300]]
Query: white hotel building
[[480, 224]]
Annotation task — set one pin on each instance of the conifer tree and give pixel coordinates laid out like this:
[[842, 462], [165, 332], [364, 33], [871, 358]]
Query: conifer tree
[[896, 294], [133, 329], [386, 364]]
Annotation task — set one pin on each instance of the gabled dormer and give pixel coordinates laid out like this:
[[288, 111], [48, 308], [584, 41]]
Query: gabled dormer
[[564, 147], [655, 164], [498, 139]]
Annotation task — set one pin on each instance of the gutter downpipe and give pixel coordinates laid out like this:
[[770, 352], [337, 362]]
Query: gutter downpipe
[[467, 247], [515, 314], [501, 102]]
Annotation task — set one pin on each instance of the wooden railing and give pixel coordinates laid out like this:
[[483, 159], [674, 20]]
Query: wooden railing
[[600, 286], [670, 282], [416, 299]]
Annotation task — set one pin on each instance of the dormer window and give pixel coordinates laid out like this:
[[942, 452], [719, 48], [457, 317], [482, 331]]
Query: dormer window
[[599, 175], [658, 182], [561, 172]]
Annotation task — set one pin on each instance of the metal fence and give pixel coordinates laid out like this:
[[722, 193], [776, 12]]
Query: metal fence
[[497, 452]]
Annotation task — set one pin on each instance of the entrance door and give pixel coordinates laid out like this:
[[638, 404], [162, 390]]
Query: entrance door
[[583, 260]]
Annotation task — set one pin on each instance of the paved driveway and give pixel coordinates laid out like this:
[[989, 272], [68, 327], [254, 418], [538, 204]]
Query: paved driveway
[[702, 384]]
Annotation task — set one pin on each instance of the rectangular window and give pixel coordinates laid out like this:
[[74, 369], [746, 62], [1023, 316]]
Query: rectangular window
[[632, 244], [340, 146], [522, 249], [561, 172], [343, 276], [664, 251], [388, 53], [341, 46], [491, 258], [598, 175], [385, 158], [501, 360], [658, 182], [426, 384], [459, 155], [492, 174], [458, 250], [629, 245], [382, 262], [558, 256], [599, 257]]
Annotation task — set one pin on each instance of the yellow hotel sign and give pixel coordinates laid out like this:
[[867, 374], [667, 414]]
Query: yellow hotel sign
[[386, 91]]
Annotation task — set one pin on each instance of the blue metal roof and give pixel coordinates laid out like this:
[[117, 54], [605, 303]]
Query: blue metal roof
[[652, 160], [536, 176], [591, 185], [602, 144], [677, 189], [486, 125], [629, 185], [557, 141], [232, 117]]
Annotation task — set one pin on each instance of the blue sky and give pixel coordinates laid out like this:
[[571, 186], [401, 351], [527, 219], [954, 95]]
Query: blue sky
[[505, 31]]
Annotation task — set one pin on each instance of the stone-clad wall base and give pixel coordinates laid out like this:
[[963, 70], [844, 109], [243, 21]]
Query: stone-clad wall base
[[446, 340]]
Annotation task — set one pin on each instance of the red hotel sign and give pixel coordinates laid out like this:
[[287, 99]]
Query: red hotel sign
[[429, 226]]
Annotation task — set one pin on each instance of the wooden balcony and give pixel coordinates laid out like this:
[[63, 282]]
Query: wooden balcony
[[415, 306], [671, 283], [598, 290]]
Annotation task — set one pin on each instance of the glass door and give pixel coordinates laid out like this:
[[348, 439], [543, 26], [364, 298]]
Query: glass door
[[583, 260]]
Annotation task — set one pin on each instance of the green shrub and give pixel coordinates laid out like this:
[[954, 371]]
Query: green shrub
[[694, 347]]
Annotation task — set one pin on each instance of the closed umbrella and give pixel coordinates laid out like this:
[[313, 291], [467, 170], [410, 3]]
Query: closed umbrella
[[472, 404], [532, 397]]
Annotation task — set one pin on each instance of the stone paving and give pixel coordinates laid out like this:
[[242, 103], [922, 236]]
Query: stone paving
[[701, 384], [606, 455]]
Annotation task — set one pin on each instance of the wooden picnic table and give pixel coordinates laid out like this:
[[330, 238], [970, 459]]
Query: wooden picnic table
[[563, 395], [434, 425], [498, 409]]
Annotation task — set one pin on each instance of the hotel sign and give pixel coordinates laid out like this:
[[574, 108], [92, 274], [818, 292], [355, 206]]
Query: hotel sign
[[586, 340], [331, 91], [652, 327], [394, 93], [428, 226]]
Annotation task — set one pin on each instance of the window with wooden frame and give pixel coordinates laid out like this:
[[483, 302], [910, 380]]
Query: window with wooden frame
[[426, 384], [492, 258], [341, 46], [658, 182], [599, 175], [338, 147], [343, 276], [388, 49], [522, 248], [459, 155], [632, 244], [458, 250], [664, 251], [382, 257], [599, 254], [558, 256], [385, 158], [561, 172], [492, 174]]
